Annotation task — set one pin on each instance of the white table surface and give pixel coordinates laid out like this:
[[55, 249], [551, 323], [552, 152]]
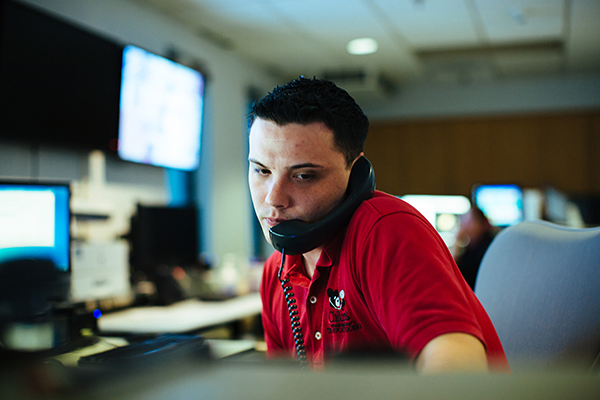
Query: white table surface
[[184, 316]]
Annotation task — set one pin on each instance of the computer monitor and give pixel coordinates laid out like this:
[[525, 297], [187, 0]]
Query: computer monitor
[[164, 236], [35, 218], [59, 81], [501, 204], [160, 111], [442, 211]]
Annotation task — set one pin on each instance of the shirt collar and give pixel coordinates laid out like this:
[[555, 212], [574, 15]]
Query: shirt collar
[[294, 265], [331, 252]]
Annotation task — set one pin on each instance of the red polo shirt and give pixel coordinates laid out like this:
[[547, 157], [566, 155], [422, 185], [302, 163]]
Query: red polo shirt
[[387, 283]]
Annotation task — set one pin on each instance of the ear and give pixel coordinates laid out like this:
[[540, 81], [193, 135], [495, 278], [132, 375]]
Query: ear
[[362, 153], [330, 292]]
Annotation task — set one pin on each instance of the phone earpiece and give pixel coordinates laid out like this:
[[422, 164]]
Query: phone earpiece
[[298, 237]]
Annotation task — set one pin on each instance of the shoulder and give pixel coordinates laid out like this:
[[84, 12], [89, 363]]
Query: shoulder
[[386, 219], [383, 205]]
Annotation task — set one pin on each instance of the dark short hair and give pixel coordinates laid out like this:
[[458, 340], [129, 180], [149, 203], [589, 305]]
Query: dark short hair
[[305, 101]]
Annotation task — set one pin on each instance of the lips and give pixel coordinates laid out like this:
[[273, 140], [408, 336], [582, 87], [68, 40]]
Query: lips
[[271, 222]]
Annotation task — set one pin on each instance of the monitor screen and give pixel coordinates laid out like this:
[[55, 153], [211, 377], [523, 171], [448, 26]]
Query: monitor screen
[[502, 204], [35, 221], [162, 235], [442, 211], [160, 111], [59, 82]]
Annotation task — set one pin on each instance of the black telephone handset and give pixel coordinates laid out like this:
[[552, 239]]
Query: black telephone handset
[[298, 237]]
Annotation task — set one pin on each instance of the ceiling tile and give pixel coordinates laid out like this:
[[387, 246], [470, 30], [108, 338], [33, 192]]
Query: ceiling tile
[[467, 39], [431, 23], [514, 21]]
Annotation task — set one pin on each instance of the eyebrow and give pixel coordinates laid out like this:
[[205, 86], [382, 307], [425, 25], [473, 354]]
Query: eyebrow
[[297, 166]]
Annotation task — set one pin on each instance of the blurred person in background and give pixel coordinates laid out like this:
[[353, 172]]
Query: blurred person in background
[[472, 240]]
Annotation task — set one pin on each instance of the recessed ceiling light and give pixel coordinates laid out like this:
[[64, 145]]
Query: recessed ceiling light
[[362, 46]]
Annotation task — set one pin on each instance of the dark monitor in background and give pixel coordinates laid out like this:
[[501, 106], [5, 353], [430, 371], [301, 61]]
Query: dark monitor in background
[[589, 208], [502, 204], [160, 111], [59, 82], [164, 236], [35, 221], [164, 245]]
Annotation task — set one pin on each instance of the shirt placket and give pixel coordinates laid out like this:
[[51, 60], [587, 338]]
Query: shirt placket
[[315, 301]]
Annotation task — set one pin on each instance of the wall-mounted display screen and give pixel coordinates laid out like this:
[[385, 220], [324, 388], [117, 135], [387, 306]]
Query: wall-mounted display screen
[[59, 82], [35, 222], [160, 111], [502, 204]]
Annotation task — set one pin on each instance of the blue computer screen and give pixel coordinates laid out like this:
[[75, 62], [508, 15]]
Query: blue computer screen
[[35, 222], [502, 204]]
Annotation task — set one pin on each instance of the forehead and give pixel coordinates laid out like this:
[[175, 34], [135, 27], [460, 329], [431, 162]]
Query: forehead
[[270, 130], [315, 137]]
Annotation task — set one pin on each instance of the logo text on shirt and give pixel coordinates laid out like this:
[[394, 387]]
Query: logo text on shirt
[[339, 319]]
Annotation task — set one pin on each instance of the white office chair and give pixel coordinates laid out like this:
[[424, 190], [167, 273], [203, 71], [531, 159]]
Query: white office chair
[[540, 284]]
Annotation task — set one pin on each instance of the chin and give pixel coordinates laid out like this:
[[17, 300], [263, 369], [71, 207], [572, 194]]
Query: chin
[[266, 235]]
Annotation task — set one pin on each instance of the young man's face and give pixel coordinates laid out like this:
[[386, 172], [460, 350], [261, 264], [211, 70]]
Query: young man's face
[[295, 172]]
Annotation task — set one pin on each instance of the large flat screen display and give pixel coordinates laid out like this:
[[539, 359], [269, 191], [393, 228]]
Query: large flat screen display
[[161, 109], [35, 222], [59, 82]]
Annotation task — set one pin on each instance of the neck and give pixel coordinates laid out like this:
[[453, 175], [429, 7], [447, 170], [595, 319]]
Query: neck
[[310, 260]]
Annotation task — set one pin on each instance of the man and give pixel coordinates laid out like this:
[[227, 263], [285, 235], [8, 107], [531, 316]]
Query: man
[[386, 282]]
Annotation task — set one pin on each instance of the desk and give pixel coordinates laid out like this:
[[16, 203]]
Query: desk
[[185, 316]]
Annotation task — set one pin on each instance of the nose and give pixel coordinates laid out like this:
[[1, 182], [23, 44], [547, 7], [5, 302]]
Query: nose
[[277, 195]]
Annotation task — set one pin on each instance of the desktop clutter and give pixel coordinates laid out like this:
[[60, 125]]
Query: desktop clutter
[[69, 304]]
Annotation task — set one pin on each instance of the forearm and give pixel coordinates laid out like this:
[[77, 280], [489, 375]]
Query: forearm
[[453, 352]]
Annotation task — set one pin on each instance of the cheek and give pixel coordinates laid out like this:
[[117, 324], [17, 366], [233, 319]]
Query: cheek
[[256, 192], [318, 206]]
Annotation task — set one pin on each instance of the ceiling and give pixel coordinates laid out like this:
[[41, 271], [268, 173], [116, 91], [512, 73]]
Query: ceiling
[[442, 41]]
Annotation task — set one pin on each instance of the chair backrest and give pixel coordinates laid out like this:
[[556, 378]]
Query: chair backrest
[[540, 284]]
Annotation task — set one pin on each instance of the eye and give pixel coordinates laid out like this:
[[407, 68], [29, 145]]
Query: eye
[[261, 171], [305, 177]]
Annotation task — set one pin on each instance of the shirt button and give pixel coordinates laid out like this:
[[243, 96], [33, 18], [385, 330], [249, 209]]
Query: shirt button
[[313, 299], [318, 335]]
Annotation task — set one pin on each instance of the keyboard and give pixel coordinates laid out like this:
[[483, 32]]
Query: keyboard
[[159, 349]]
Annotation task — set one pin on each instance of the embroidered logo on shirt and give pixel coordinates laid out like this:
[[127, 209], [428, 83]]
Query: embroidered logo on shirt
[[336, 298], [339, 319]]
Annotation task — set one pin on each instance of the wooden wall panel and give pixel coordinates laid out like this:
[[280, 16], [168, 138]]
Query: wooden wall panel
[[449, 156]]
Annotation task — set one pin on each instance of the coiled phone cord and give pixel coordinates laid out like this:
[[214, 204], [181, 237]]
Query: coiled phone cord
[[294, 318]]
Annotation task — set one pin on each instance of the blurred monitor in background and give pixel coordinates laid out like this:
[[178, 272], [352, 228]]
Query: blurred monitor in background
[[35, 218], [502, 204], [34, 264], [164, 245], [442, 211]]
